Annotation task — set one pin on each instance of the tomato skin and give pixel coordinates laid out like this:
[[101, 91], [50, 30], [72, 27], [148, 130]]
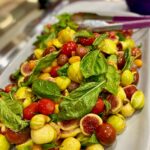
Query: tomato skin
[[86, 41], [106, 134], [54, 70], [99, 107], [68, 48], [46, 106], [9, 87], [30, 111], [17, 137]]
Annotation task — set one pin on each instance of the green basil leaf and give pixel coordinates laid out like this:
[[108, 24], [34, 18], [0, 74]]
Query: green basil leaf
[[49, 146], [128, 58], [93, 64], [121, 36], [113, 80], [11, 112], [80, 101], [99, 39], [86, 141], [107, 105], [63, 70], [46, 89], [83, 33], [41, 64]]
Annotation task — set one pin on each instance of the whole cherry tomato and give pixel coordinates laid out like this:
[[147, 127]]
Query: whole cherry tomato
[[54, 70], [9, 87], [17, 137], [30, 111], [99, 107], [86, 41], [106, 134], [46, 106], [68, 48]]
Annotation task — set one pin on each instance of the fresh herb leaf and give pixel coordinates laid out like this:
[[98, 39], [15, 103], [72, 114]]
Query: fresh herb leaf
[[121, 36], [83, 33], [49, 146], [93, 64], [11, 112], [63, 70], [54, 118], [128, 58], [89, 140], [41, 64], [107, 105], [43, 39], [83, 97], [113, 80], [99, 39], [46, 89]]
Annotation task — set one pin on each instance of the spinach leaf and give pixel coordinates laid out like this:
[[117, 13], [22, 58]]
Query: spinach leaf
[[49, 146], [63, 70], [99, 39], [90, 140], [41, 64], [93, 64], [11, 112], [46, 89], [83, 33], [128, 58], [121, 36], [80, 101], [43, 39], [113, 80]]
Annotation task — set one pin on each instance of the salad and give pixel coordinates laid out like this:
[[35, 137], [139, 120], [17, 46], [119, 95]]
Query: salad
[[74, 92]]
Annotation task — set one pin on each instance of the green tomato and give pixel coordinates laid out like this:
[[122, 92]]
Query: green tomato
[[44, 135], [62, 82], [138, 100], [74, 72], [70, 144], [121, 93], [25, 146], [127, 78], [4, 145], [108, 46], [118, 122], [127, 110], [95, 147]]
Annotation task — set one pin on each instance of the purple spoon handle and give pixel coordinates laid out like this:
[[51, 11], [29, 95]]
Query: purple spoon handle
[[84, 16], [119, 26]]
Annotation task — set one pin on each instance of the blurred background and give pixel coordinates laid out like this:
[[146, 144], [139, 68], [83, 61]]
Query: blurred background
[[19, 17]]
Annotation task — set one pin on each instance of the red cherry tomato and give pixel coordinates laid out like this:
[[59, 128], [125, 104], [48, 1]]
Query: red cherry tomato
[[106, 134], [46, 106], [17, 137], [30, 111], [86, 41], [68, 48], [99, 107], [54, 70], [9, 87]]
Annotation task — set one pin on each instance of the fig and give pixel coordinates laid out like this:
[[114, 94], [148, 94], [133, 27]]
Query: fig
[[136, 52], [118, 122], [26, 69], [135, 77], [89, 123], [130, 90], [68, 124], [116, 103], [71, 133], [127, 110], [138, 100], [120, 60]]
